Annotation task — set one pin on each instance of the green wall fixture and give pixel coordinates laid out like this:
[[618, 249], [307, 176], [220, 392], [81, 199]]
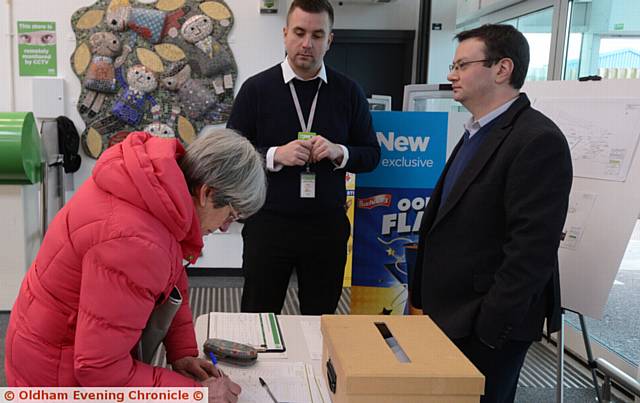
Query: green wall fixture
[[20, 158]]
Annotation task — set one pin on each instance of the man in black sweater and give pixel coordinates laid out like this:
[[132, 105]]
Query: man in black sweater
[[313, 125]]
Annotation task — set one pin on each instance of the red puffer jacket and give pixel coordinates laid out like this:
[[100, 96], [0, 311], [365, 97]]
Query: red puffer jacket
[[110, 255]]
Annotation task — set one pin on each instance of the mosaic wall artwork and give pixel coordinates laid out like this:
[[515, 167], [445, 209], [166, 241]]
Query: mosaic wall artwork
[[163, 66]]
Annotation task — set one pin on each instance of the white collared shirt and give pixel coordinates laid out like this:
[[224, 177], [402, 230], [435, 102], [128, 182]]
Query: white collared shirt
[[287, 75], [472, 126]]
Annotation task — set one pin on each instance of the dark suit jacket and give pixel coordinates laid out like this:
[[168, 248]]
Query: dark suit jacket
[[488, 258]]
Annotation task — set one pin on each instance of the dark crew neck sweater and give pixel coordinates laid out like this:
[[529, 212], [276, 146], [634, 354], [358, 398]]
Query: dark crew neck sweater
[[265, 113]]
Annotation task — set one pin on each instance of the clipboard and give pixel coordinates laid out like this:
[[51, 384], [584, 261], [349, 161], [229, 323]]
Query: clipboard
[[259, 330]]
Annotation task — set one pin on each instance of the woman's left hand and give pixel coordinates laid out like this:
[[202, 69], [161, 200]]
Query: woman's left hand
[[195, 368]]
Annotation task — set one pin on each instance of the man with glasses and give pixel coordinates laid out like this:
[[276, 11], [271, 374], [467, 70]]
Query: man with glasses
[[487, 264], [313, 125]]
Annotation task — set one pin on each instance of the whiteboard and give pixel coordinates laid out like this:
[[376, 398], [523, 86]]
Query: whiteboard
[[608, 207]]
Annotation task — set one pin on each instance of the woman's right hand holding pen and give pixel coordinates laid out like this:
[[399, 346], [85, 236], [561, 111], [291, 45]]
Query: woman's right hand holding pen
[[221, 388], [195, 368]]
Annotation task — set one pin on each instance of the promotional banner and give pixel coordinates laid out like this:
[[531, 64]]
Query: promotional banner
[[350, 184], [388, 208], [37, 48]]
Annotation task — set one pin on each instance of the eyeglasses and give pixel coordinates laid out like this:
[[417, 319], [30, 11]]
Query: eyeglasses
[[233, 214], [461, 65]]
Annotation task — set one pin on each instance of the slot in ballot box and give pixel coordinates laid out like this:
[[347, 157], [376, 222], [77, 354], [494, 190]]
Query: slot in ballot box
[[364, 360]]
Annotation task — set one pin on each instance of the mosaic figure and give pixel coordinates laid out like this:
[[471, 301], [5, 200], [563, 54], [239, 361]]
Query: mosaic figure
[[147, 23], [160, 129], [196, 99], [100, 78], [130, 106], [206, 55]]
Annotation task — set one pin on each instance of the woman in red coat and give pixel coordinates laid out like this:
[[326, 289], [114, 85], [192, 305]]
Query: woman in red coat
[[116, 251]]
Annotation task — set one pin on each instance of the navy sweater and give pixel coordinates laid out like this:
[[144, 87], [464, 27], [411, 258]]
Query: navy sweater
[[264, 112], [460, 161]]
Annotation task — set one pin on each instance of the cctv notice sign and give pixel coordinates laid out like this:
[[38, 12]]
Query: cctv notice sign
[[388, 208], [37, 48]]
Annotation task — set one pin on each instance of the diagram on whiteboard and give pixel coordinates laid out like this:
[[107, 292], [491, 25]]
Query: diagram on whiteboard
[[580, 206], [602, 134]]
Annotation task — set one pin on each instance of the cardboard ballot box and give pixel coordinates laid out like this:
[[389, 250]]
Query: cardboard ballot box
[[362, 361]]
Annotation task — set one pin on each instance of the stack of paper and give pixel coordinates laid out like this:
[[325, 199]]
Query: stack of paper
[[313, 337], [288, 381]]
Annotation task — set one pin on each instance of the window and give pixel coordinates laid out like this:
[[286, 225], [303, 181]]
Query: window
[[604, 39], [536, 27]]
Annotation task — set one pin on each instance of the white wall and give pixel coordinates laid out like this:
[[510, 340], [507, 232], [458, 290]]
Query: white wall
[[256, 42], [20, 237], [402, 14]]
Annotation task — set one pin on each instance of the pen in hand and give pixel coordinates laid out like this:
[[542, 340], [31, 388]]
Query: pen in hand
[[215, 363], [266, 387]]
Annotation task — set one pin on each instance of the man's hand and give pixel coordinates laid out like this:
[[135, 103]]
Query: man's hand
[[323, 148], [222, 390], [294, 153], [195, 368]]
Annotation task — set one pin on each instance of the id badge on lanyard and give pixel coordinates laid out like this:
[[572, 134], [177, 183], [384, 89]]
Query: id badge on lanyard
[[307, 185], [307, 178]]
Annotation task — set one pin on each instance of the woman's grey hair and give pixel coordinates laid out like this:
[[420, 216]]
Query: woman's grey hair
[[227, 162]]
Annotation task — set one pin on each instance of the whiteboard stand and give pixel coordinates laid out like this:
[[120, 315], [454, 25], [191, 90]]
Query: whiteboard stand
[[560, 361], [591, 362]]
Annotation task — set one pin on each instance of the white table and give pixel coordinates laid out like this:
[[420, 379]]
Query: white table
[[292, 334]]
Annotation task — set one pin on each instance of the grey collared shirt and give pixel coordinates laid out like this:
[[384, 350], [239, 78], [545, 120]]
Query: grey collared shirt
[[472, 126]]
